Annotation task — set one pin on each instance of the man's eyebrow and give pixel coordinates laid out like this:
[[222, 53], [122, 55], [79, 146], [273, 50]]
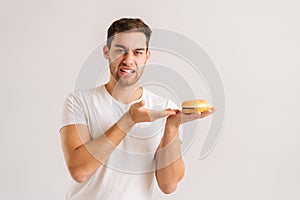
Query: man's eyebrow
[[120, 46], [140, 49], [123, 47]]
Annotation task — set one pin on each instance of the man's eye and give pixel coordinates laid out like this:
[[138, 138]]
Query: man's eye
[[138, 52], [120, 51]]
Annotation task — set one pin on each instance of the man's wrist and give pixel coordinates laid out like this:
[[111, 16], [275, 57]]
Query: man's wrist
[[125, 123], [171, 129]]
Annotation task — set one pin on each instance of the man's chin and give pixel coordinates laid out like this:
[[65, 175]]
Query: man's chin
[[126, 83]]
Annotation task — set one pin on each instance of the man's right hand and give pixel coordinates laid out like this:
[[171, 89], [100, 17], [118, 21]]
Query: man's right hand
[[139, 114]]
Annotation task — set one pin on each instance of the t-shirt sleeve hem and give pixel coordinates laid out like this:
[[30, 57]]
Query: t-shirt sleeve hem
[[70, 123]]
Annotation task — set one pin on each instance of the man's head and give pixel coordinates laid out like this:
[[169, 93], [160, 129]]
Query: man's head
[[128, 25], [127, 50]]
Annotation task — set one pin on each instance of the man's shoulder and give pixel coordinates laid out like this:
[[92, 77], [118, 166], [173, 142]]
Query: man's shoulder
[[84, 93]]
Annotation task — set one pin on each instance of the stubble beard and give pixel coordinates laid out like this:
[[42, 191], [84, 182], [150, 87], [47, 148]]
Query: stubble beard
[[122, 81]]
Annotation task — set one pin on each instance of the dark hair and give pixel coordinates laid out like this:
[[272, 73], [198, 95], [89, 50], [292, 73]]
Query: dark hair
[[128, 25]]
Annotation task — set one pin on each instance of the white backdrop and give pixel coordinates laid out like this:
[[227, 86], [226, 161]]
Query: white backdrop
[[254, 45]]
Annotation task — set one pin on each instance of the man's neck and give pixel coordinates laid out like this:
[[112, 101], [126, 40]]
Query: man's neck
[[126, 94]]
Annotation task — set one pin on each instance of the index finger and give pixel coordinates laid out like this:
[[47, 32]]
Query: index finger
[[155, 114]]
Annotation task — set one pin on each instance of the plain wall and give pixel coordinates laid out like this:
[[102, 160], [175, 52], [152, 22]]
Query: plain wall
[[254, 45]]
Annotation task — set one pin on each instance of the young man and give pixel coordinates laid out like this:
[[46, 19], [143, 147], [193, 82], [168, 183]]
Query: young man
[[115, 144]]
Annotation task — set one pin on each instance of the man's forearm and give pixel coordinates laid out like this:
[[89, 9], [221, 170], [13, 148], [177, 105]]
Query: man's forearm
[[169, 163], [87, 158]]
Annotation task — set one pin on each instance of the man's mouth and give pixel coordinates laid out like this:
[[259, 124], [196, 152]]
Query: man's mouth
[[127, 70]]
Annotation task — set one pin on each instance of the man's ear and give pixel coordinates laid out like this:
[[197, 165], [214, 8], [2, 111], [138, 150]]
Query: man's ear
[[105, 51], [148, 55]]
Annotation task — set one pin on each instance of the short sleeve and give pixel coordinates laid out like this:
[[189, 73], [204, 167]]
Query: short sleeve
[[73, 111], [173, 105]]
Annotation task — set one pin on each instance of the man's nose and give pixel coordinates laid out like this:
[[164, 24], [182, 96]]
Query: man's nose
[[128, 58]]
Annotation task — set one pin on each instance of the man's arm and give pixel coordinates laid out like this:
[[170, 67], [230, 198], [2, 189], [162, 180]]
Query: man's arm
[[169, 163], [84, 156]]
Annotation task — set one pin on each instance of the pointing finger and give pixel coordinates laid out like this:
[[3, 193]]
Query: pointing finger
[[154, 115]]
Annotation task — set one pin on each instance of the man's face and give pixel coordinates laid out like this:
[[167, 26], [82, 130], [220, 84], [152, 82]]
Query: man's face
[[127, 57]]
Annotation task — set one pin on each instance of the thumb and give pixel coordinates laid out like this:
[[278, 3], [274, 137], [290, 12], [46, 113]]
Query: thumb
[[138, 105]]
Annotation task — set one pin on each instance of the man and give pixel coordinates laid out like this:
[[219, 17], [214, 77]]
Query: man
[[115, 143]]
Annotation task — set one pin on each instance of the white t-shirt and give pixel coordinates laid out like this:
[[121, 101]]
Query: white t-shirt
[[128, 174]]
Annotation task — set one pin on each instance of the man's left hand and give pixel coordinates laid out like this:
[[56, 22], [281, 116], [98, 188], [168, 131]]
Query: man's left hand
[[174, 121]]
